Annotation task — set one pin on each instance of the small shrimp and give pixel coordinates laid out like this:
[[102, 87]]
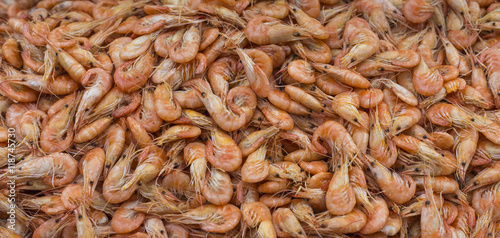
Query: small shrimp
[[111, 188], [223, 13], [279, 118], [264, 30], [381, 148], [345, 76], [276, 52], [303, 97], [51, 204], [258, 68], [370, 98], [195, 156], [75, 70], [337, 138], [286, 224], [427, 82], [485, 177], [439, 184], [56, 169], [254, 140], [346, 105], [417, 11], [340, 198], [167, 108], [454, 57], [184, 45], [222, 152], [283, 101], [220, 73], [314, 167], [404, 117], [465, 147], [377, 218], [211, 218], [137, 46], [218, 188], [301, 71], [256, 166], [363, 44], [399, 188], [431, 220], [133, 74], [225, 118], [91, 166], [59, 125], [329, 85], [92, 130], [348, 223], [307, 22], [178, 132], [125, 219], [176, 231], [10, 50], [115, 49], [52, 227]]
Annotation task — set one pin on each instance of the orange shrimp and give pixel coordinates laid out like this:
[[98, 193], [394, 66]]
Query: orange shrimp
[[265, 30]]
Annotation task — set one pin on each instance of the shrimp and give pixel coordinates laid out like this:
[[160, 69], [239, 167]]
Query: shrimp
[[311, 25], [218, 188], [465, 147], [223, 13], [92, 130], [346, 105], [439, 184], [381, 148], [279, 118], [399, 188], [10, 50], [345, 76], [337, 137], [491, 57], [363, 43], [254, 140], [258, 68], [454, 57], [283, 101], [377, 218], [59, 125], [132, 75], [137, 46], [184, 45], [485, 177], [195, 156], [56, 169], [91, 166], [220, 73], [125, 219], [51, 204], [112, 191], [431, 220], [225, 118], [301, 71], [427, 82], [167, 108], [417, 11], [340, 198], [286, 224], [264, 30], [373, 11], [222, 152], [74, 69], [405, 116], [52, 227], [36, 33], [306, 99], [348, 223], [211, 218]]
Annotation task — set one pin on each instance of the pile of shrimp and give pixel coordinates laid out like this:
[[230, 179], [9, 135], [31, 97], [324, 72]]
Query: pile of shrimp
[[249, 118]]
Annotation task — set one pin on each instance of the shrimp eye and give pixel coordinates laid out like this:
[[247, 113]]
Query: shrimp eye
[[347, 45], [140, 183], [277, 175], [294, 9], [23, 80], [176, 165], [494, 23], [472, 119], [353, 59], [386, 130], [300, 232], [442, 155], [417, 169], [91, 182], [163, 192], [301, 170], [296, 34], [386, 32], [203, 94], [412, 211], [259, 119], [456, 196], [57, 68], [107, 166], [313, 88], [373, 163], [498, 94], [395, 11], [382, 69], [326, 66], [234, 189], [399, 128], [66, 106], [80, 216], [475, 183], [427, 202], [356, 119], [323, 225], [324, 105], [66, 17], [57, 220], [425, 137], [162, 231]]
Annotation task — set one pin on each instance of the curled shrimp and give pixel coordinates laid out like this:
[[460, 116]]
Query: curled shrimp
[[348, 223], [60, 125], [340, 198], [125, 219], [265, 30], [417, 11], [223, 152], [183, 46], [56, 169], [133, 74], [258, 68], [346, 105], [218, 188]]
